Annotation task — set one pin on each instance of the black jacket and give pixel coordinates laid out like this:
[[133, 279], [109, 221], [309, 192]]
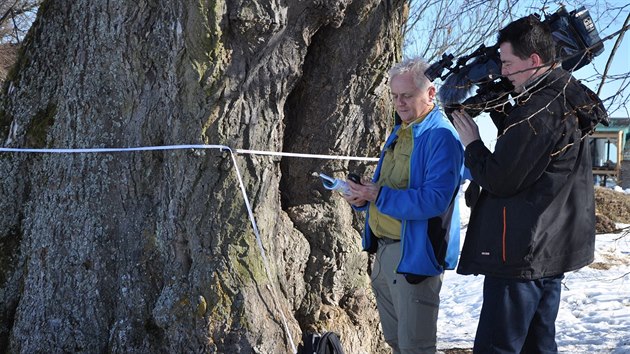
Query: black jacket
[[535, 216]]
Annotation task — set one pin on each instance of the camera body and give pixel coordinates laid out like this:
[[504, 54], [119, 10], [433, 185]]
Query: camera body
[[577, 44]]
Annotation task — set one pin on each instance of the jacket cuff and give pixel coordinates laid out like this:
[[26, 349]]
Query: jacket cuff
[[360, 208]]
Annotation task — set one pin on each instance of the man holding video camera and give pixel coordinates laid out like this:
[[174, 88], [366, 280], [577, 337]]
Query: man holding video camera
[[410, 204], [534, 219]]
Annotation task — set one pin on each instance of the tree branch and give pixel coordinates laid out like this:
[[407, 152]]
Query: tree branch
[[622, 32]]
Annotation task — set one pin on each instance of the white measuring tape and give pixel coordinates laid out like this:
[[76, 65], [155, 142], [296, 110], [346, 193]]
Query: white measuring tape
[[240, 181], [308, 156], [185, 147], [262, 249]]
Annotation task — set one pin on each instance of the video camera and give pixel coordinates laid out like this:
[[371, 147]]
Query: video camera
[[577, 43]]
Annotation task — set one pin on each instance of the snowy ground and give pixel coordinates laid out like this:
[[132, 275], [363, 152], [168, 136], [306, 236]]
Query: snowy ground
[[594, 312]]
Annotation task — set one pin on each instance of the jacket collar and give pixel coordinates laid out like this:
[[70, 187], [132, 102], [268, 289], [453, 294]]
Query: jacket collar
[[430, 121], [556, 78]]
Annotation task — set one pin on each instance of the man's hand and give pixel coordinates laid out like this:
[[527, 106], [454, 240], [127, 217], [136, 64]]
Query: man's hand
[[466, 127], [362, 193]]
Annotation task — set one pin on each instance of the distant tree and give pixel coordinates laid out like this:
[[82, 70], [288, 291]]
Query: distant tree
[[16, 17]]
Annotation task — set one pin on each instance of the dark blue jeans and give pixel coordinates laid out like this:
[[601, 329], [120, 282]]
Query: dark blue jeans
[[518, 316]]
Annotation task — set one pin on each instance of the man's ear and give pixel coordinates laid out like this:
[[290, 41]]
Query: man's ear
[[536, 60], [432, 92]]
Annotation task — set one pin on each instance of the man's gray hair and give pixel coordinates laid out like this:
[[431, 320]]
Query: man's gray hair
[[415, 66]]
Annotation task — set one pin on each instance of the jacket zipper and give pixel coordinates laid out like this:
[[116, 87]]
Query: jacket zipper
[[504, 232], [403, 224]]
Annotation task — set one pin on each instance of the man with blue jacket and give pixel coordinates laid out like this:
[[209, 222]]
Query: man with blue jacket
[[411, 203]]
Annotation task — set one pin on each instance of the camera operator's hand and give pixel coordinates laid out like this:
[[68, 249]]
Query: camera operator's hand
[[466, 127]]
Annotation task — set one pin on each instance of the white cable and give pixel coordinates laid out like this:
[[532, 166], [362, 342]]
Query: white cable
[[104, 150], [182, 147], [312, 156], [262, 251]]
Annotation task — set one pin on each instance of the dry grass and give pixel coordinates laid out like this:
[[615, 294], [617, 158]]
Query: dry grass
[[611, 207], [614, 205], [600, 266]]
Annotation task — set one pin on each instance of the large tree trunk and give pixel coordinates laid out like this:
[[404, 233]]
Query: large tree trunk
[[153, 252]]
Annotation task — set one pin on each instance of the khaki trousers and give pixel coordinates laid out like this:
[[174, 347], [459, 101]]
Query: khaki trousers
[[408, 312]]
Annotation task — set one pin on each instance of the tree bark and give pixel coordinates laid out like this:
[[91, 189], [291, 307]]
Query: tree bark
[[140, 252]]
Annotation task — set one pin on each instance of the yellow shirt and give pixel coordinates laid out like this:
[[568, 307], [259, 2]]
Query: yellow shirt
[[394, 174]]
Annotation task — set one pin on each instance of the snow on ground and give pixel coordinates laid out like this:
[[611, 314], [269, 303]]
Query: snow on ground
[[594, 314], [619, 189]]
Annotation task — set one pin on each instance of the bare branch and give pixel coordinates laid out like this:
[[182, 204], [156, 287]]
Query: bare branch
[[612, 54], [17, 17]]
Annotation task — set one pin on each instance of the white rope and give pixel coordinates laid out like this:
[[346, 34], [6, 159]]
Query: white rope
[[310, 156], [183, 147], [104, 150], [262, 251]]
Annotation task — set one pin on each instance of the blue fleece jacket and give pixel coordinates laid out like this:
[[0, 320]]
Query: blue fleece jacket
[[429, 200]]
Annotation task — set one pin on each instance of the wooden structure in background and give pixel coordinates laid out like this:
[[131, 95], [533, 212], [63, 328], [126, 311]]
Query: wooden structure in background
[[609, 162]]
